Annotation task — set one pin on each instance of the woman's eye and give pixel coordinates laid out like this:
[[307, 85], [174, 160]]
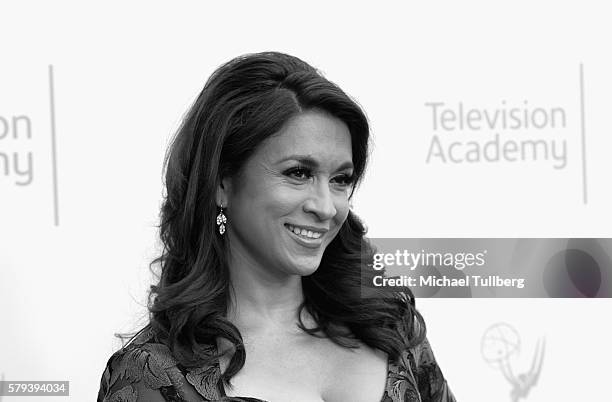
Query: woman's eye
[[302, 173], [344, 180], [299, 173]]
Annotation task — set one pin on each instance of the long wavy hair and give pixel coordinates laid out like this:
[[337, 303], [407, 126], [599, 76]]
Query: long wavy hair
[[244, 102]]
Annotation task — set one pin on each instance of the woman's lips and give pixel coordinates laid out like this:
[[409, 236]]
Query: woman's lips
[[304, 240]]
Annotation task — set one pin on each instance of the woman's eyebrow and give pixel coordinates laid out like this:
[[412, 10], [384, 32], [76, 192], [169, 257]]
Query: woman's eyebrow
[[312, 163]]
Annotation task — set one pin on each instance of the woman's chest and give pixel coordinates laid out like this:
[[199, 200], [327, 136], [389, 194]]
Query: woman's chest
[[314, 370]]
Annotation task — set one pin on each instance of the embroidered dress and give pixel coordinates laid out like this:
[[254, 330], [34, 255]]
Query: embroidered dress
[[146, 371]]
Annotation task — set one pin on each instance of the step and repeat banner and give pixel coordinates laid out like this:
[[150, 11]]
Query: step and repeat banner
[[489, 191]]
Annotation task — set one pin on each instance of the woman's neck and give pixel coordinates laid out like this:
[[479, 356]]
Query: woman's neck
[[263, 300]]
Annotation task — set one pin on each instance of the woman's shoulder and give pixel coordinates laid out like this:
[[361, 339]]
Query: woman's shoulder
[[146, 370], [416, 370], [430, 380]]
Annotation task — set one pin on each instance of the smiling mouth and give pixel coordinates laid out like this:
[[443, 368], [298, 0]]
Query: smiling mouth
[[303, 233]]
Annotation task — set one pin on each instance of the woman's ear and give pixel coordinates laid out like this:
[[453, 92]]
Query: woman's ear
[[224, 192]]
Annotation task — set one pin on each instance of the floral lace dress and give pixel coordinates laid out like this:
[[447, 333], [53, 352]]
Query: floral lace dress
[[146, 371]]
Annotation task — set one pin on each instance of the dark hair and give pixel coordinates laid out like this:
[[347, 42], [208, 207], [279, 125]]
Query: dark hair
[[244, 102]]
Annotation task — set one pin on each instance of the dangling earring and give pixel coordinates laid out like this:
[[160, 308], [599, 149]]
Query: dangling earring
[[221, 221]]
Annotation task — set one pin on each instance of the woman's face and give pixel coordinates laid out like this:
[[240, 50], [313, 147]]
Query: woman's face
[[291, 197]]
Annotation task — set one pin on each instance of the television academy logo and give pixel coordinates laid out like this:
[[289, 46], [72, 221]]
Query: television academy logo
[[465, 134], [499, 344], [19, 163], [507, 131]]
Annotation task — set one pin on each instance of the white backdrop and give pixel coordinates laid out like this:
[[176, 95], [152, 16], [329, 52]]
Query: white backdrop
[[90, 94]]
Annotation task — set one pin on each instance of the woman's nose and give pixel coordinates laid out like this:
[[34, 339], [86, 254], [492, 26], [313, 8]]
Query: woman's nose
[[321, 202]]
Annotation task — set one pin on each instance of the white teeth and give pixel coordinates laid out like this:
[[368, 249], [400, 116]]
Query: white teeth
[[304, 232]]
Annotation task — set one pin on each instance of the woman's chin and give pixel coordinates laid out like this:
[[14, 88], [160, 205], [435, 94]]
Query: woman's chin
[[305, 268]]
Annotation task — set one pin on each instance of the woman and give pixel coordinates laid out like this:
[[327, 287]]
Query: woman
[[259, 296]]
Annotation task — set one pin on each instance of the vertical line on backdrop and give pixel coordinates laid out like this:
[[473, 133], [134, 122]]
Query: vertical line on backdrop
[[583, 135], [53, 148]]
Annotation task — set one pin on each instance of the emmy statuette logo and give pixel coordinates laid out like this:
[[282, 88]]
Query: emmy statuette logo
[[500, 343]]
